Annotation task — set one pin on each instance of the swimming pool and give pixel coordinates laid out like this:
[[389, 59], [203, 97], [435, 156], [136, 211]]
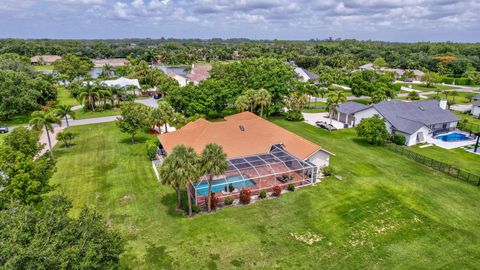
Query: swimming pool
[[453, 137], [219, 185]]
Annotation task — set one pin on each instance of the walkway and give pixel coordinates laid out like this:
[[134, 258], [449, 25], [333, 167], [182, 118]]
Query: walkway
[[150, 102]]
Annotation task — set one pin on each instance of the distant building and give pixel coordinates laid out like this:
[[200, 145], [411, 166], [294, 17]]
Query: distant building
[[182, 80], [113, 62], [304, 75], [476, 106], [397, 72], [123, 82], [44, 59], [198, 73]]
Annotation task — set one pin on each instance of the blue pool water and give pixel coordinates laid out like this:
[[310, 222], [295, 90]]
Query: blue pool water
[[219, 185], [453, 137]]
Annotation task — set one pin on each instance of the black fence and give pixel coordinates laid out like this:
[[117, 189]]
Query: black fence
[[435, 164]]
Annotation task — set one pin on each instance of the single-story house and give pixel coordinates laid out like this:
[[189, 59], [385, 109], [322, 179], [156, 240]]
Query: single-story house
[[398, 72], [182, 80], [199, 73], [476, 105], [260, 155], [123, 82], [113, 62], [44, 59], [414, 120], [304, 75]]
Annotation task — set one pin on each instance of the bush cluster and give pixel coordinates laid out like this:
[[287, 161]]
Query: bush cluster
[[263, 194], [399, 139], [214, 201], [291, 187], [228, 201], [245, 196], [327, 171], [277, 190], [293, 116], [152, 146]]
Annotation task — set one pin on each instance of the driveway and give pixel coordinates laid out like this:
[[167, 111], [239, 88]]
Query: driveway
[[311, 118]]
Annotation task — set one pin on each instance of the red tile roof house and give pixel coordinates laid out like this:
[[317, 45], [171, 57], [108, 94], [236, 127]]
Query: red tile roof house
[[199, 73], [260, 155]]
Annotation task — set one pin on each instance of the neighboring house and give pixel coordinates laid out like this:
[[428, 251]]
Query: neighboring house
[[182, 80], [123, 82], [398, 72], [113, 62], [304, 75], [44, 59], [476, 106], [260, 154], [414, 120], [198, 73]]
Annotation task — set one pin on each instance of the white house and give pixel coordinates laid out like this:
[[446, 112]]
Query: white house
[[414, 120], [304, 75], [476, 106], [182, 81]]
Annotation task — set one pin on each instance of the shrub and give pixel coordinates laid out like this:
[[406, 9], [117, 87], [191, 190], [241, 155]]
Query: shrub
[[413, 96], [327, 171], [214, 201], [263, 194], [228, 201], [291, 187], [399, 139], [277, 190], [229, 188], [152, 146], [196, 208], [245, 196], [293, 116], [373, 130]]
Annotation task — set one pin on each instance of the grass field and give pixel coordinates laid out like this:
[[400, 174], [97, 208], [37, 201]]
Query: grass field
[[455, 157], [64, 97], [471, 119], [16, 120], [423, 87], [82, 114], [387, 213], [461, 98], [41, 68]]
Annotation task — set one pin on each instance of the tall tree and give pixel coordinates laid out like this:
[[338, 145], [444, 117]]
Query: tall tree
[[23, 140], [45, 120], [242, 103], [73, 67], [166, 114], [263, 98], [334, 99], [212, 163], [183, 167], [373, 130], [134, 118], [63, 111]]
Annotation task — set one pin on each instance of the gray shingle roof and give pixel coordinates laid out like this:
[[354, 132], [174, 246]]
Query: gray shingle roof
[[310, 74], [408, 117], [351, 107]]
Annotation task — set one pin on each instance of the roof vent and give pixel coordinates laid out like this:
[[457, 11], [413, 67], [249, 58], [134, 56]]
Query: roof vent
[[242, 128]]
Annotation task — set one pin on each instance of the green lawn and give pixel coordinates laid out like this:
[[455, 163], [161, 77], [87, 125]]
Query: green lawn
[[423, 87], [41, 68], [82, 114], [455, 157], [2, 137], [16, 121], [387, 213], [471, 119], [64, 97]]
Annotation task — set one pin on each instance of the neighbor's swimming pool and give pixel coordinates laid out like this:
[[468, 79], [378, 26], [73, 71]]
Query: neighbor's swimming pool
[[219, 185], [453, 137]]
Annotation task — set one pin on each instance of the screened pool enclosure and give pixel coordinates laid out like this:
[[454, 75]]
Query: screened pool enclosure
[[255, 173]]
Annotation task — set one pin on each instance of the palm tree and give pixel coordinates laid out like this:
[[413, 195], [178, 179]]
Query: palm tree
[[263, 98], [181, 168], [166, 114], [454, 94], [334, 99], [44, 120], [242, 103], [167, 174], [63, 111], [88, 94], [250, 94], [446, 93], [213, 163]]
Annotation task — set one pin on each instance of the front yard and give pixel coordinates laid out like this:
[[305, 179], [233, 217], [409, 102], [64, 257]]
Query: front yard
[[387, 212]]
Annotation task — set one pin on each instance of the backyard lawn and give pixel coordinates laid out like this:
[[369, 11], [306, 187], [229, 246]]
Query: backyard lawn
[[65, 98], [387, 213], [455, 157]]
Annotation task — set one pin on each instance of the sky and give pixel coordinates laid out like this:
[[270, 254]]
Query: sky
[[393, 20]]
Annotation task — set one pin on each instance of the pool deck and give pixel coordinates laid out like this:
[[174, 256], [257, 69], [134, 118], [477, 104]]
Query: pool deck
[[451, 145]]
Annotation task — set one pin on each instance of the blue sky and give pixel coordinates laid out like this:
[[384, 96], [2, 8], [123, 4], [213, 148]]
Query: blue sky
[[393, 20]]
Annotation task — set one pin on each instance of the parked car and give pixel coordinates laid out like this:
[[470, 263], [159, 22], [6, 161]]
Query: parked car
[[157, 96], [325, 125], [4, 129]]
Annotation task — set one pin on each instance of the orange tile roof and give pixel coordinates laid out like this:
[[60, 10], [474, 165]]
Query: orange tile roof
[[258, 136]]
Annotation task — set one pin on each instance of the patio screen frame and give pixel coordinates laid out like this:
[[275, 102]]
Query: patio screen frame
[[277, 161]]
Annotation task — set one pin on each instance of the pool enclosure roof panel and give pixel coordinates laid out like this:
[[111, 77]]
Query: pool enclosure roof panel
[[277, 161]]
